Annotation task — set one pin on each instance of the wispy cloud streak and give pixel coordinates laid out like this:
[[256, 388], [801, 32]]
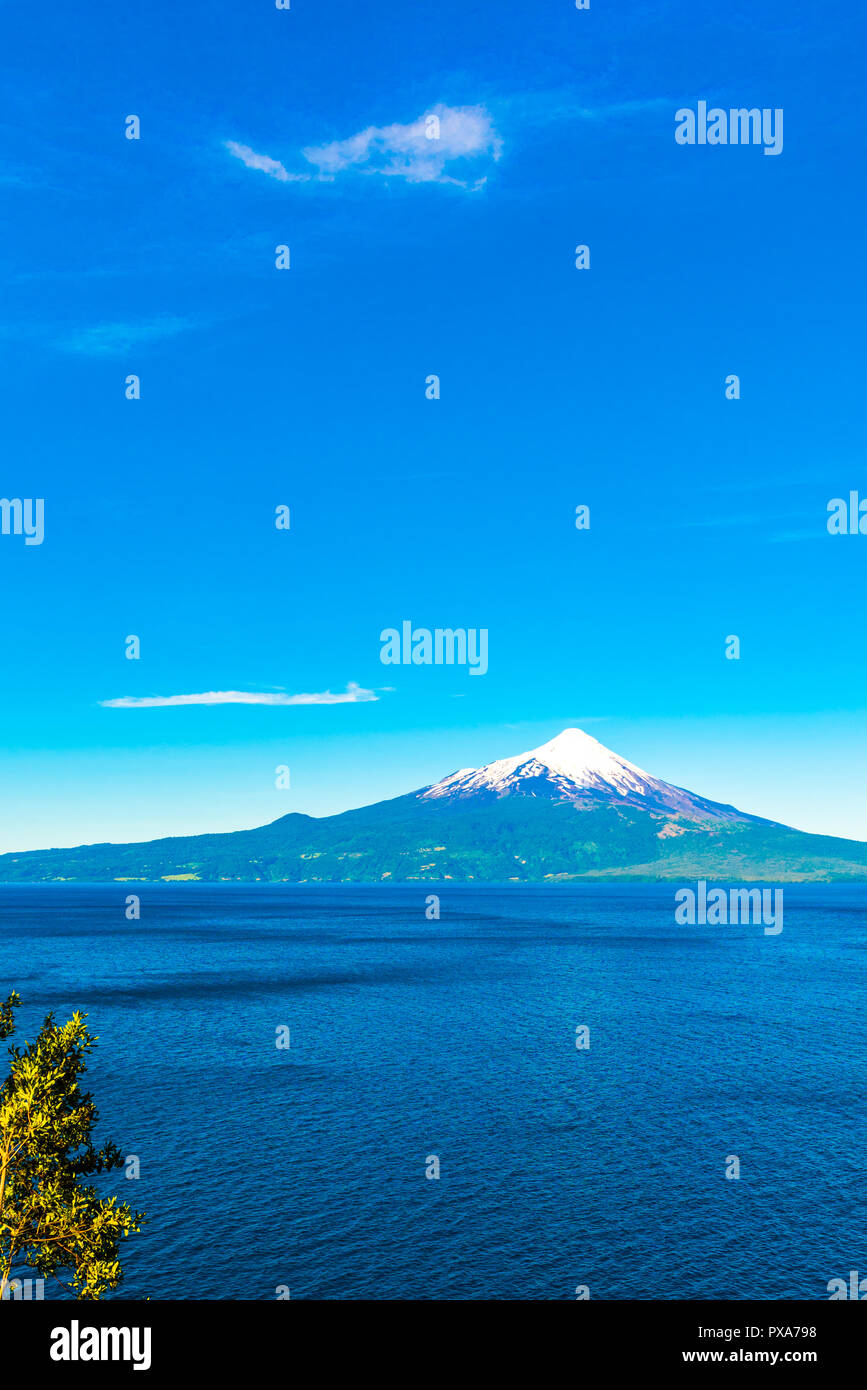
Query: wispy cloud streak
[[420, 151], [264, 163], [426, 150], [354, 694], [102, 338]]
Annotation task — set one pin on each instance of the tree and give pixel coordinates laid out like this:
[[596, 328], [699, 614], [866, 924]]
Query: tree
[[49, 1220]]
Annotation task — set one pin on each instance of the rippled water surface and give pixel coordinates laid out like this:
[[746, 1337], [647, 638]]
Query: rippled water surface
[[456, 1038]]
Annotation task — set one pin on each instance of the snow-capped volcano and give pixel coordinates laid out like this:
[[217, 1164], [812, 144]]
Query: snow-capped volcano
[[575, 767]]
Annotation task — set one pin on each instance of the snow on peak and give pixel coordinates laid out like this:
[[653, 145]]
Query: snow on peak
[[572, 760], [578, 768], [586, 761]]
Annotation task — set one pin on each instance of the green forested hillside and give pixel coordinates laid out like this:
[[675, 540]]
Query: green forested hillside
[[518, 838]]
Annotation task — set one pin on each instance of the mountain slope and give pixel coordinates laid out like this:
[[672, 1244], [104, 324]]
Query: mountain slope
[[567, 810], [575, 767]]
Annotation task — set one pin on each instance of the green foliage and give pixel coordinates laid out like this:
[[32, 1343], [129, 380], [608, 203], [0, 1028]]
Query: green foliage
[[7, 1014], [50, 1220], [523, 838]]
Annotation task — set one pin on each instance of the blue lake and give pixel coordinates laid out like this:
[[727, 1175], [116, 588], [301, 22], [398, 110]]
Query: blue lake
[[559, 1166]]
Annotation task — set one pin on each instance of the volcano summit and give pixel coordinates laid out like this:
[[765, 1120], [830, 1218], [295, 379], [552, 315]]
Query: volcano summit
[[570, 809], [575, 767]]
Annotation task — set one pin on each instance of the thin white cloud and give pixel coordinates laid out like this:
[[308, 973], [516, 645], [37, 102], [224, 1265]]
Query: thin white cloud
[[558, 105], [99, 339], [445, 145], [353, 694], [264, 163], [421, 152], [442, 143], [120, 337]]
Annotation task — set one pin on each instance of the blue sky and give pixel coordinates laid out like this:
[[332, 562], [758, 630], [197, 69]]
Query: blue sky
[[306, 387]]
